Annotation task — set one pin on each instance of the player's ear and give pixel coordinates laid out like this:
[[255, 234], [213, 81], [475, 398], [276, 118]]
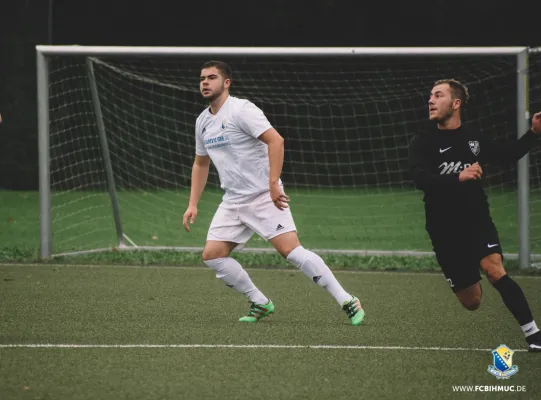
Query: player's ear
[[227, 83], [456, 104]]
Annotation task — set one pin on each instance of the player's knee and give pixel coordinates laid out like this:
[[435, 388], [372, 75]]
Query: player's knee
[[495, 277], [286, 243], [212, 254], [470, 297], [495, 274], [493, 267], [207, 256], [215, 249], [471, 304], [286, 251]]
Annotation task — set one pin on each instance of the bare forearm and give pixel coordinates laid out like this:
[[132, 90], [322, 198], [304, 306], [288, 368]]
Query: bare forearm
[[199, 180], [276, 160]]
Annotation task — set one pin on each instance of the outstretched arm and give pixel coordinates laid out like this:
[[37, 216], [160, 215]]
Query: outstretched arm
[[506, 153]]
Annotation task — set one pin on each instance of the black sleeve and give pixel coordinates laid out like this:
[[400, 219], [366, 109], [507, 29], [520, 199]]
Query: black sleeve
[[420, 168], [493, 152]]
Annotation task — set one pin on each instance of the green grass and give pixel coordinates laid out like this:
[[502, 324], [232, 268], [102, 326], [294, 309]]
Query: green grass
[[377, 219], [51, 304]]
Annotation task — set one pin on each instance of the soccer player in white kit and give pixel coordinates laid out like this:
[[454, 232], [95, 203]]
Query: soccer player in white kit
[[248, 154]]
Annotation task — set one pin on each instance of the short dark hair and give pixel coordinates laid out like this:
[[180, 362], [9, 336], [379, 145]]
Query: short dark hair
[[221, 66], [458, 89]]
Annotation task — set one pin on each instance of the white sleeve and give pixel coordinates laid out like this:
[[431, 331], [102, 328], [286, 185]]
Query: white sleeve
[[251, 120], [199, 145]]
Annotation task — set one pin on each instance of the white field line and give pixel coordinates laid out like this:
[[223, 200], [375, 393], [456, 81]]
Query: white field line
[[232, 346]]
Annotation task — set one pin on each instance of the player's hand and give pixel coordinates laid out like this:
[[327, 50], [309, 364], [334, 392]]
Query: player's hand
[[473, 172], [536, 123], [189, 215], [278, 196]]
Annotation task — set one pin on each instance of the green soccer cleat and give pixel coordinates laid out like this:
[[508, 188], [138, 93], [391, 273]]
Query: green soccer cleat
[[258, 311], [354, 311]]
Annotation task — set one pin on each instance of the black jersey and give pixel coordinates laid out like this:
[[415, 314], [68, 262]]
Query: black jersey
[[438, 156]]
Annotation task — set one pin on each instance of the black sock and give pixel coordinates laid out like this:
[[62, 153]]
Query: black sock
[[513, 297], [535, 338]]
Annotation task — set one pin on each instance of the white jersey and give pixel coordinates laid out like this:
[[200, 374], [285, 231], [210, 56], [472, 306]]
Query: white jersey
[[230, 138]]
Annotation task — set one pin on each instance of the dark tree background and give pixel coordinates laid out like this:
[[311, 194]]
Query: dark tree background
[[25, 23]]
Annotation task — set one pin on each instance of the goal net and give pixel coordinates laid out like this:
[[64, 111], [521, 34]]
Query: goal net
[[347, 123]]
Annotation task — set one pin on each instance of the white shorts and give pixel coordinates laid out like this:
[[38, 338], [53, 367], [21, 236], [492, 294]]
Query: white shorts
[[238, 222]]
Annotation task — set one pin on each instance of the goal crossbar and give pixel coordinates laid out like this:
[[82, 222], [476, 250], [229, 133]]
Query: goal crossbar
[[274, 51]]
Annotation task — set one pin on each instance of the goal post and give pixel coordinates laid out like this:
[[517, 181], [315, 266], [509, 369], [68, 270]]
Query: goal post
[[44, 155], [112, 102], [523, 179], [105, 151]]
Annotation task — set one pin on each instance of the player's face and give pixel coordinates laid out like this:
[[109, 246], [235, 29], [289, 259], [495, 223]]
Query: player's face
[[441, 105], [212, 84]]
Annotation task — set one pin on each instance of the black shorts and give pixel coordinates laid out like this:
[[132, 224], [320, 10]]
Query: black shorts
[[460, 246]]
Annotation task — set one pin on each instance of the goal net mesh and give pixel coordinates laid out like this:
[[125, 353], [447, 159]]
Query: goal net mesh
[[347, 123]]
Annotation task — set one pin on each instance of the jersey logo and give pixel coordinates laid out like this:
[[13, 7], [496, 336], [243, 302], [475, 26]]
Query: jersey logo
[[444, 150], [219, 141], [452, 167], [490, 245], [224, 123], [474, 147]]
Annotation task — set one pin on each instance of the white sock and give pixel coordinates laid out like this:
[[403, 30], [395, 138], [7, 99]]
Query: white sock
[[231, 272], [530, 328], [315, 268]]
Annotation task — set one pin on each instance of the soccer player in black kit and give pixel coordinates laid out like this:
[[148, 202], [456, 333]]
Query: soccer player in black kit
[[447, 165]]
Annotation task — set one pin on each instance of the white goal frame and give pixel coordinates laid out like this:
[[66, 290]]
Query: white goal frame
[[43, 52]]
